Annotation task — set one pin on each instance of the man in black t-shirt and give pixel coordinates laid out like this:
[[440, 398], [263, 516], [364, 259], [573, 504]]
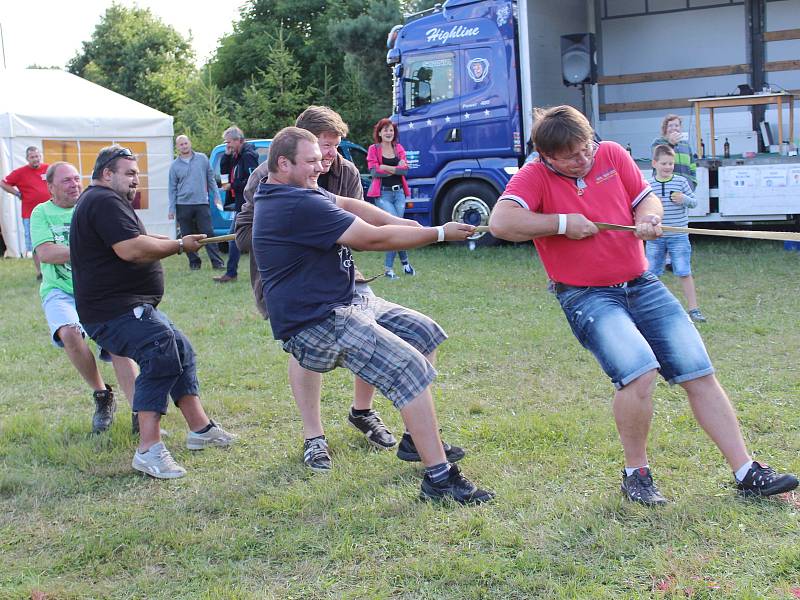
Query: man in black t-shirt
[[118, 284], [301, 239]]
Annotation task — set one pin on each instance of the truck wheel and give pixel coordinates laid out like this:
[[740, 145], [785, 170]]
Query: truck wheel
[[471, 203]]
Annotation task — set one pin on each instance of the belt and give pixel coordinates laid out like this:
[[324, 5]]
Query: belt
[[563, 287], [394, 188]]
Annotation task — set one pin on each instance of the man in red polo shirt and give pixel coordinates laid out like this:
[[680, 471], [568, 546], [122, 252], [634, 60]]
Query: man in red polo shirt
[[28, 184]]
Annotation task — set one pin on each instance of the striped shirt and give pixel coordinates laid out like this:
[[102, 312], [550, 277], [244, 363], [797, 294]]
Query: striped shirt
[[676, 215]]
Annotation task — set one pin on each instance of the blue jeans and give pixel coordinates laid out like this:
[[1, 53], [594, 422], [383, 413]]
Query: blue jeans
[[164, 355], [680, 251], [634, 329], [393, 202], [26, 227], [232, 268]]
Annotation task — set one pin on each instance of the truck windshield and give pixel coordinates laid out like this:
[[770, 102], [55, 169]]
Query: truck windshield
[[432, 80]]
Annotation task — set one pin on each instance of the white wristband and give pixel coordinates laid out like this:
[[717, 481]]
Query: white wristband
[[439, 233], [562, 224]]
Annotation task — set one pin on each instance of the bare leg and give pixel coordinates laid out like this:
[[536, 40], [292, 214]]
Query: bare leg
[[307, 389], [81, 356], [419, 417], [362, 394], [633, 411], [689, 292], [193, 412], [126, 372], [716, 416], [149, 429]]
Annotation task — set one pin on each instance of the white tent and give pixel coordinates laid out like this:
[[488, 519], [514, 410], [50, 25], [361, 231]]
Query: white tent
[[70, 119]]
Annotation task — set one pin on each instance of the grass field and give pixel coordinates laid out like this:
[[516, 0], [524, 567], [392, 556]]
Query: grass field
[[514, 388]]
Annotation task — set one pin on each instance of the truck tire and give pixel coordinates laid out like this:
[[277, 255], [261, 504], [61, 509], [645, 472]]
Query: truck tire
[[470, 202]]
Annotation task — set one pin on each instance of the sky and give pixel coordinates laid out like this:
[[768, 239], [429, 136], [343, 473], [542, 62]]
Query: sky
[[50, 32]]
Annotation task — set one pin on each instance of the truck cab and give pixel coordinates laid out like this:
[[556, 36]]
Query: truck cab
[[222, 217], [456, 105]]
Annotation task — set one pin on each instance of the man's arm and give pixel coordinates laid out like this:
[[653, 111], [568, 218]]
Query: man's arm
[[244, 226], [647, 217], [10, 189], [371, 213], [211, 182], [172, 190], [146, 248], [509, 221], [363, 236], [52, 253]]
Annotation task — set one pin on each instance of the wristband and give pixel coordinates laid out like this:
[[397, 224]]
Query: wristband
[[439, 233], [180, 246], [562, 224]]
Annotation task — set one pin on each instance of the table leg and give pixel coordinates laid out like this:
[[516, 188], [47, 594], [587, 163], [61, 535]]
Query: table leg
[[780, 122], [697, 128], [713, 145]]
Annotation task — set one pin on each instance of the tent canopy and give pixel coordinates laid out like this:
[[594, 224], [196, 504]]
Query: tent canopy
[[50, 103]]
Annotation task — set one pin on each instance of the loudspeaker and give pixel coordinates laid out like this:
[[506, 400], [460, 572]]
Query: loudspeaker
[[578, 59]]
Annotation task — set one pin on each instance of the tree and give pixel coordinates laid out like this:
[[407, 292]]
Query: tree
[[133, 53], [205, 114]]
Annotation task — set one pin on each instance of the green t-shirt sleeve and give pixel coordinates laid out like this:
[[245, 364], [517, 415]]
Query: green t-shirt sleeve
[[40, 229]]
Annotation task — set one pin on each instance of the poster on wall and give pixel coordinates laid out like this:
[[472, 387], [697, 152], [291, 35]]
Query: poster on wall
[[755, 190]]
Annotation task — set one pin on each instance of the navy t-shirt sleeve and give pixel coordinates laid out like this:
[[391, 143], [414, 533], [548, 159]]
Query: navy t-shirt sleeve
[[113, 223], [318, 222]]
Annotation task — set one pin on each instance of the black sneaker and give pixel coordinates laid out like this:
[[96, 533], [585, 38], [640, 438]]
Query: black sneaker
[[640, 487], [763, 480], [104, 407], [315, 455], [373, 429], [456, 486], [408, 451]]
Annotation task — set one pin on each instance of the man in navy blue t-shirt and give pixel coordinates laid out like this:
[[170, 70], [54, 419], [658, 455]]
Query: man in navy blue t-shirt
[[301, 240]]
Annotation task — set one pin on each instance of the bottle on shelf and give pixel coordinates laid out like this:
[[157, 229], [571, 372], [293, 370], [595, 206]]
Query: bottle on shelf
[[726, 149], [628, 148], [702, 149]]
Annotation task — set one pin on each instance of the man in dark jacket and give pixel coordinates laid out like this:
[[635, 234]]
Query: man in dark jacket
[[238, 163]]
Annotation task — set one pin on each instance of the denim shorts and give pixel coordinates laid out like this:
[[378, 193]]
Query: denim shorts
[[59, 310], [352, 338], [680, 252], [634, 329], [165, 357]]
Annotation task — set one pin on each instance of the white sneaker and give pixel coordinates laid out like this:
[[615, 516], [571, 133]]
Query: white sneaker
[[216, 436], [157, 462]]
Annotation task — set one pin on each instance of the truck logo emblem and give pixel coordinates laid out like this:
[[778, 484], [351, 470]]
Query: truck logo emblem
[[459, 31], [478, 69]]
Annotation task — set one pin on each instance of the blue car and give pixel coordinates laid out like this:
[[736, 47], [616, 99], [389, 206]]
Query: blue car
[[221, 218]]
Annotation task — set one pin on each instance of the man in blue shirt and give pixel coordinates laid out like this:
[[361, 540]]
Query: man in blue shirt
[[301, 239]]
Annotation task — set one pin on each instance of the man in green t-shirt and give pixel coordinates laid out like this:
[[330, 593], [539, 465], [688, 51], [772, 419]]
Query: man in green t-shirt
[[50, 239]]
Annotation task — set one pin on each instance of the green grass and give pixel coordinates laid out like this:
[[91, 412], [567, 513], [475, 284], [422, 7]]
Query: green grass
[[514, 388]]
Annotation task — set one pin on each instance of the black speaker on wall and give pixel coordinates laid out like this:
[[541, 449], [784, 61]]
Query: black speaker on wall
[[578, 59]]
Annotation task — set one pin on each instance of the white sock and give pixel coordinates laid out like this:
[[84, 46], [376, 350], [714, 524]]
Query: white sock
[[741, 472], [629, 470]]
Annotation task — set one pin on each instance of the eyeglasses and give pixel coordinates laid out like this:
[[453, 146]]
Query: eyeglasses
[[121, 153], [585, 153]]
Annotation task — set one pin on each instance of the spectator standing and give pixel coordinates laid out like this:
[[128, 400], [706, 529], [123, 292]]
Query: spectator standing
[[676, 198], [675, 138], [28, 184], [191, 186], [238, 163], [50, 237], [119, 284], [386, 160]]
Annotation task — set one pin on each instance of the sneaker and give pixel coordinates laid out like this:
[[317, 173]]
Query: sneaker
[[315, 455], [104, 407], [456, 487], [409, 270], [696, 316], [640, 487], [408, 451], [216, 436], [157, 462], [373, 428], [389, 274], [763, 480]]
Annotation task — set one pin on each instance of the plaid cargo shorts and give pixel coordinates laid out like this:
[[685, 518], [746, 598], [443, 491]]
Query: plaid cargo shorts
[[352, 338]]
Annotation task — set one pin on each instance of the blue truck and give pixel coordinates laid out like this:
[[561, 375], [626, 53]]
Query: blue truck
[[221, 218]]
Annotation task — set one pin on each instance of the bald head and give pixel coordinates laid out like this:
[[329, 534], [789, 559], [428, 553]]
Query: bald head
[[64, 184], [184, 146]]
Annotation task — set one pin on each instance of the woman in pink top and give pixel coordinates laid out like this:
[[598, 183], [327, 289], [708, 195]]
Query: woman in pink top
[[387, 164]]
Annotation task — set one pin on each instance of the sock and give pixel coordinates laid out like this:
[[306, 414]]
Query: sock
[[405, 262], [742, 471], [360, 412], [207, 428], [629, 470], [438, 473], [316, 437]]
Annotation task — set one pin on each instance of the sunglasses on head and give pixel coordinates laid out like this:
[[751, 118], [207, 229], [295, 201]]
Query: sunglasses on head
[[121, 153]]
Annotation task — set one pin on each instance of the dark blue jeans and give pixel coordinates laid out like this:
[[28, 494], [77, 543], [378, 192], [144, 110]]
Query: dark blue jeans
[[232, 269], [164, 355]]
